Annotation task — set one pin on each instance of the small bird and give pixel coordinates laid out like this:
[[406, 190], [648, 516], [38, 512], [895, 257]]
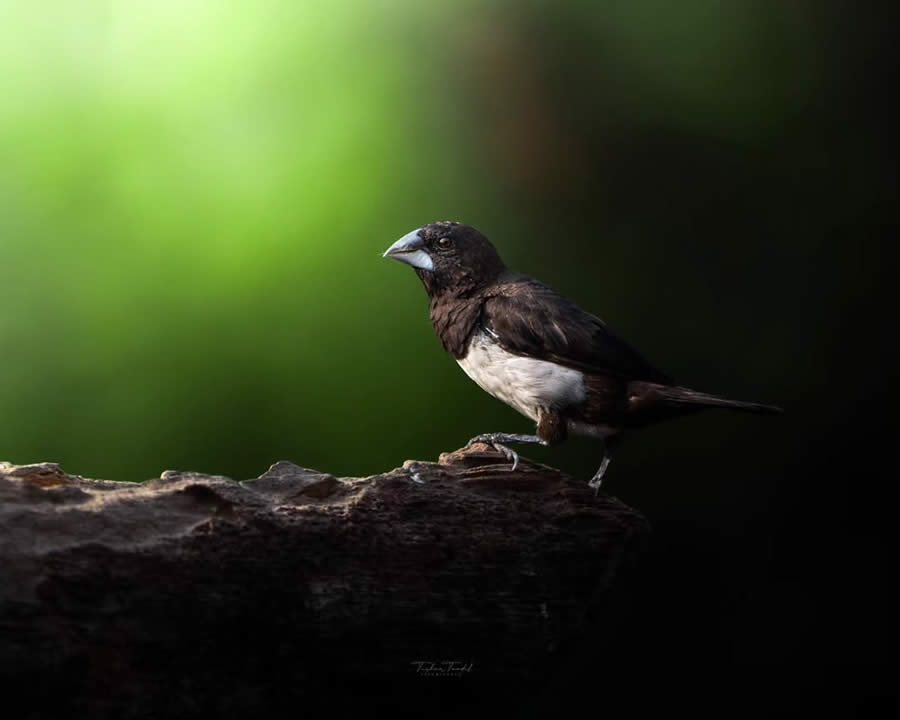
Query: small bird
[[536, 350]]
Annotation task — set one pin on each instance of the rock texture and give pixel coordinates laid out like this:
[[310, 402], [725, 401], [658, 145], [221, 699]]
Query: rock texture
[[193, 594]]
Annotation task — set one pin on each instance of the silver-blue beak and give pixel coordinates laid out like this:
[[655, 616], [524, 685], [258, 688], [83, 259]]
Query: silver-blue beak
[[410, 249]]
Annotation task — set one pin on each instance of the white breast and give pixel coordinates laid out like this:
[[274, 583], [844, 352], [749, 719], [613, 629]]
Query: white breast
[[524, 383]]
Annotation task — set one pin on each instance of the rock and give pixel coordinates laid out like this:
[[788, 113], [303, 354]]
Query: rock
[[195, 594]]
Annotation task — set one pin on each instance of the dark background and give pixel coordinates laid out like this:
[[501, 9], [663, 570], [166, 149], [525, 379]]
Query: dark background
[[194, 198]]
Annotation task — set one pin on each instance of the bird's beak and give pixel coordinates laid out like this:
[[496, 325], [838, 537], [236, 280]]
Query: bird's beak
[[410, 249]]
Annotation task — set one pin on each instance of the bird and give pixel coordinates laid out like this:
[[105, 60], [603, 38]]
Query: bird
[[537, 351]]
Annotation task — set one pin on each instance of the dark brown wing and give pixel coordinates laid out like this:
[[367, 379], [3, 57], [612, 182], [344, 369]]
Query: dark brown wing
[[528, 318]]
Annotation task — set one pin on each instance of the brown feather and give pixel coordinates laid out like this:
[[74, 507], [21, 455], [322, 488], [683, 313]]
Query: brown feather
[[551, 428]]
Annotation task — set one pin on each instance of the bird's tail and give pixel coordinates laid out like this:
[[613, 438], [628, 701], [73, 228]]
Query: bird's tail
[[685, 396]]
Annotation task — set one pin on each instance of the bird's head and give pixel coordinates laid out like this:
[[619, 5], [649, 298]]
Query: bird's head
[[448, 257]]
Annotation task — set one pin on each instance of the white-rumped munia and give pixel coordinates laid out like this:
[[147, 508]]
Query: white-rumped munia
[[537, 351]]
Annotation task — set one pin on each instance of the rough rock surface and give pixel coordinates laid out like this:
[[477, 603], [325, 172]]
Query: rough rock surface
[[194, 594]]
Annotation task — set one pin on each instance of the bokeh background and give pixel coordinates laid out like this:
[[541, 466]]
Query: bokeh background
[[194, 198]]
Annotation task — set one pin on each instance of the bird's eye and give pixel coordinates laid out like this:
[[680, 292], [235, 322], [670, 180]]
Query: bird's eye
[[444, 243]]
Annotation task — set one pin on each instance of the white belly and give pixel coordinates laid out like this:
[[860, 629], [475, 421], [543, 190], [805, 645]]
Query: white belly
[[524, 383]]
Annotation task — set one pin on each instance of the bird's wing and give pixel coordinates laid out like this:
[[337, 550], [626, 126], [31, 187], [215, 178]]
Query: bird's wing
[[529, 318]]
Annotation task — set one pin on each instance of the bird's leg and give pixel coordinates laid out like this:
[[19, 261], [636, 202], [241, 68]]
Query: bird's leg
[[597, 480], [496, 440]]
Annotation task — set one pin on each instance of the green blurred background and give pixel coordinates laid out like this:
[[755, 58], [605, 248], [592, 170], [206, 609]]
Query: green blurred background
[[194, 198]]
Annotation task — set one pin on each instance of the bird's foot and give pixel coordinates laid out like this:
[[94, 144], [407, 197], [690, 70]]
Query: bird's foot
[[489, 439], [414, 474], [496, 440], [596, 481]]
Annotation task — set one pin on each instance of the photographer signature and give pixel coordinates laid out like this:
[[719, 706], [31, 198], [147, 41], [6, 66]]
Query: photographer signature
[[442, 668]]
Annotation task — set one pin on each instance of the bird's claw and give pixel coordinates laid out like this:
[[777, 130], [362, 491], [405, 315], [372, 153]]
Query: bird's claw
[[491, 440], [509, 453], [413, 472]]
